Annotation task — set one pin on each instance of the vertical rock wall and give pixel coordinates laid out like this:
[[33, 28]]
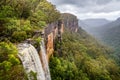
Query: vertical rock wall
[[50, 45], [70, 21], [55, 30], [52, 31]]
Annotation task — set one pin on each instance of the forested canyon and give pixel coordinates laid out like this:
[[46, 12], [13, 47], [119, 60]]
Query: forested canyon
[[38, 42]]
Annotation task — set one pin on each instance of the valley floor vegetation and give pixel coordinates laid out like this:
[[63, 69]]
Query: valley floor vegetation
[[82, 58]]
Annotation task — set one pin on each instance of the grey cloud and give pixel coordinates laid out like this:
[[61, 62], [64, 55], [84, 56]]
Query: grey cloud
[[70, 2], [80, 3], [88, 5], [82, 7], [102, 2]]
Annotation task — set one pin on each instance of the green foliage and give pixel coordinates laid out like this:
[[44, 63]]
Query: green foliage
[[89, 59], [64, 70], [16, 27], [38, 40], [6, 65], [9, 63], [25, 15], [18, 30], [38, 18], [15, 73], [33, 75], [19, 19], [13, 60], [6, 11], [19, 36], [7, 49], [20, 8], [8, 53], [49, 10], [112, 40]]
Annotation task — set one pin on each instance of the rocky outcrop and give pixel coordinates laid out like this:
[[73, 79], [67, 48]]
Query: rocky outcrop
[[52, 31], [49, 45], [70, 21], [55, 30]]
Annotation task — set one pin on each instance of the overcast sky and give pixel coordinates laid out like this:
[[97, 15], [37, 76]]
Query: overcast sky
[[83, 9]]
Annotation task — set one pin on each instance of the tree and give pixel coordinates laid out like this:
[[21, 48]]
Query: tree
[[49, 10]]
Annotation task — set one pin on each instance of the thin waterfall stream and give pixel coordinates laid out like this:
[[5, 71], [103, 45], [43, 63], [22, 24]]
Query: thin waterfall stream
[[44, 60]]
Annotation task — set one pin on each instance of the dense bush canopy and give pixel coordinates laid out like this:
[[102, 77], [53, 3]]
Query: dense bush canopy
[[82, 58]]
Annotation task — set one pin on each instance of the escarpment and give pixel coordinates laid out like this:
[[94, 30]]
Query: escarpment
[[55, 30], [35, 51], [70, 21], [51, 32], [37, 42]]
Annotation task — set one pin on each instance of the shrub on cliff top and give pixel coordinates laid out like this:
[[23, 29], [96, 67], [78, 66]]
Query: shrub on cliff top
[[19, 36], [10, 68]]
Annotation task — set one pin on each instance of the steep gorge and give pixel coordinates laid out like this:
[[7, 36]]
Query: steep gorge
[[79, 56], [50, 34], [34, 36]]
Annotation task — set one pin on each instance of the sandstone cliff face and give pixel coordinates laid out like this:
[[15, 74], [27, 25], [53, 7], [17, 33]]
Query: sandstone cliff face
[[55, 30], [70, 21], [50, 45], [52, 31]]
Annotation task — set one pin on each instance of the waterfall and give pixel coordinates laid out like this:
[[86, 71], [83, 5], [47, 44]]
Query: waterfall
[[31, 61], [44, 60]]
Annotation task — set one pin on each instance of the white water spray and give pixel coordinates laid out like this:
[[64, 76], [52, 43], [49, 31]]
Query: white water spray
[[44, 60]]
